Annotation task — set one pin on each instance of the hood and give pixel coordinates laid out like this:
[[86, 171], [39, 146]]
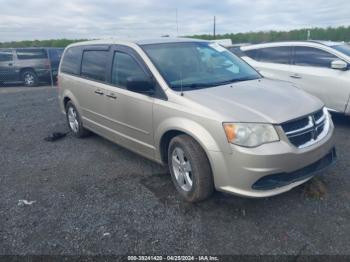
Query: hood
[[257, 101]]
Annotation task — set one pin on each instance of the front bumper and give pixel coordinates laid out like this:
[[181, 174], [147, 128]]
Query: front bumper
[[270, 169]]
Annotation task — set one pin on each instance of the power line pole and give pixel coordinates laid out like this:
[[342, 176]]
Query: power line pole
[[214, 29], [177, 25]]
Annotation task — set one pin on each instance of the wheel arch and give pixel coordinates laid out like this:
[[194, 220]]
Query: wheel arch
[[166, 132], [66, 96], [22, 70]]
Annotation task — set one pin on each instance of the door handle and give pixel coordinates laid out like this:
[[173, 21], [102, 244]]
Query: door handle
[[10, 64], [111, 96], [99, 92], [295, 76]]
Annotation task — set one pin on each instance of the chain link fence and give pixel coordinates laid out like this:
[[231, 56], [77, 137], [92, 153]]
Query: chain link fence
[[29, 66]]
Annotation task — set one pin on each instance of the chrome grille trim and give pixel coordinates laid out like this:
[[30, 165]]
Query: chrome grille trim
[[310, 125], [316, 129]]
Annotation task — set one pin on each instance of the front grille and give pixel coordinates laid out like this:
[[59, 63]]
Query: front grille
[[307, 130]]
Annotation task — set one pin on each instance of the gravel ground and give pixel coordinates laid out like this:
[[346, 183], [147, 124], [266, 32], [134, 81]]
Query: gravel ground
[[94, 197]]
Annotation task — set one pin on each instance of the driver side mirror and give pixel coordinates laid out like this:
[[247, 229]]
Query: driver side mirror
[[339, 65], [142, 85]]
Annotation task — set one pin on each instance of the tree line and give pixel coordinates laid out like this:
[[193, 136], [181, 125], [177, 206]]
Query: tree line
[[40, 43], [341, 33]]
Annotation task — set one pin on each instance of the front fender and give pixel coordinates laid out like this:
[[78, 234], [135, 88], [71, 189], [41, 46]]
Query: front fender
[[191, 128]]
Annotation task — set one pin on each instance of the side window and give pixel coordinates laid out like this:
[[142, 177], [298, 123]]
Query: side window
[[237, 51], [71, 61], [24, 54], [94, 65], [309, 56], [125, 66], [5, 55], [278, 55], [253, 54]]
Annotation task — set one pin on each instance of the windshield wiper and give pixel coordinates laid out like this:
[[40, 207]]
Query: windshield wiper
[[194, 85], [235, 80], [202, 85]]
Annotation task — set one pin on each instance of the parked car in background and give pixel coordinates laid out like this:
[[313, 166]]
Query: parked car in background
[[194, 106], [54, 55], [27, 65], [318, 67]]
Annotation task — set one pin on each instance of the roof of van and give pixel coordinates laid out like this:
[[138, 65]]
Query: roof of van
[[138, 41]]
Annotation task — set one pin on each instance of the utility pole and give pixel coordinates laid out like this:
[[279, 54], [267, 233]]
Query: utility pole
[[177, 25], [214, 29]]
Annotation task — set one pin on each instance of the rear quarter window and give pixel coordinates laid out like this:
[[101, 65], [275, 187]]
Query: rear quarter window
[[5, 55], [71, 61], [25, 54]]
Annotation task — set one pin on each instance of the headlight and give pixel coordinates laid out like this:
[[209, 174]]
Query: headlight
[[249, 134]]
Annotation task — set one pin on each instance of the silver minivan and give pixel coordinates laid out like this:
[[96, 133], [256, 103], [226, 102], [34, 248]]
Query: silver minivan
[[196, 107]]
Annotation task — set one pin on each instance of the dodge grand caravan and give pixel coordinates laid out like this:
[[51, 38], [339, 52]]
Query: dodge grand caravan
[[196, 107]]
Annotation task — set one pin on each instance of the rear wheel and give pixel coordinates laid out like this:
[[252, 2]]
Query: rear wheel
[[30, 78], [74, 121], [190, 169]]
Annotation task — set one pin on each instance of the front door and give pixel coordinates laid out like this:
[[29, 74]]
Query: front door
[[129, 114], [311, 71]]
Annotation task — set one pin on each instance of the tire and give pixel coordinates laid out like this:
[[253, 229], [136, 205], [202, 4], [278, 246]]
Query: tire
[[29, 78], [198, 171], [74, 121]]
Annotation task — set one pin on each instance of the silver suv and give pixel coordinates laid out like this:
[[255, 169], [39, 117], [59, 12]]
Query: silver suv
[[198, 108], [26, 65]]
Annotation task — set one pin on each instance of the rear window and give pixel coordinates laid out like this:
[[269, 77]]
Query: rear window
[[71, 61], [5, 55], [94, 65], [24, 54]]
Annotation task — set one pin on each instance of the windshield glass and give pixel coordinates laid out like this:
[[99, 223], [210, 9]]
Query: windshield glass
[[195, 65], [345, 49]]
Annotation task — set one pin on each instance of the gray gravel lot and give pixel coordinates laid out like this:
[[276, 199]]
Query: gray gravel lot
[[94, 197]]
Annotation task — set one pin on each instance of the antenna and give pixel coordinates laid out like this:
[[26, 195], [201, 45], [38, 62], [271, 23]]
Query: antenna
[[177, 25]]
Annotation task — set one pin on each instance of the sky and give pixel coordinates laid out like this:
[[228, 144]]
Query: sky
[[88, 19]]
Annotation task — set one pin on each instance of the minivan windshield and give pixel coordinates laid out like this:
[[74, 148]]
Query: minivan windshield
[[345, 49], [194, 65]]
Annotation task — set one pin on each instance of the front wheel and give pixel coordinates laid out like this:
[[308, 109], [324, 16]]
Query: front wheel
[[190, 169]]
